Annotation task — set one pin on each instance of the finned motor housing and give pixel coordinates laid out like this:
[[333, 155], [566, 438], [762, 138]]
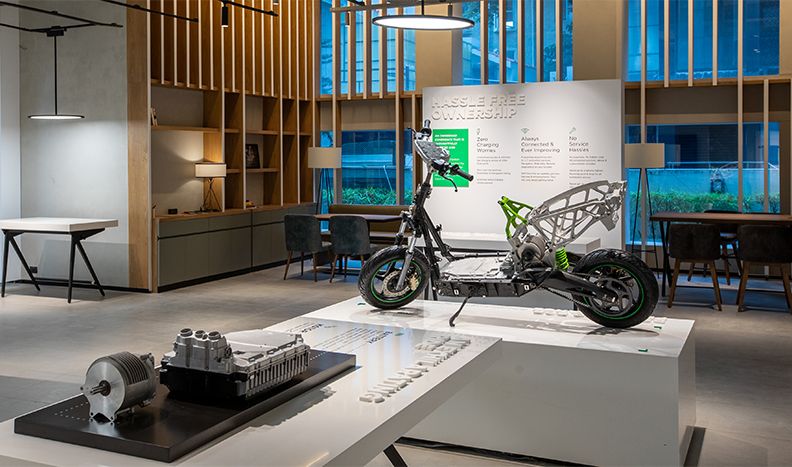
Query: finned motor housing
[[116, 384]]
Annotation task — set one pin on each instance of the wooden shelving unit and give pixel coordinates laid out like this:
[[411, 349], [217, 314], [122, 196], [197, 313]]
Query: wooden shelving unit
[[241, 89]]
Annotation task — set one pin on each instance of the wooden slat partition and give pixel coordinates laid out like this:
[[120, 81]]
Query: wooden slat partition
[[259, 66]]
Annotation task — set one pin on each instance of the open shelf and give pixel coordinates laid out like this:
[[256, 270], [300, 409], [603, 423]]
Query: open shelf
[[263, 170], [184, 128]]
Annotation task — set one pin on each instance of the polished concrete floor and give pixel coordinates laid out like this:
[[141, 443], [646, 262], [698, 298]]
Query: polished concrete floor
[[744, 360]]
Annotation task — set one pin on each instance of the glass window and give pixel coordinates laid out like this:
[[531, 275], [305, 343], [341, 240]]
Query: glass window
[[326, 48], [678, 39], [344, 53], [633, 67], [409, 55], [391, 46], [549, 45], [471, 45], [655, 57], [493, 41], [360, 59], [760, 37], [753, 168], [375, 56], [407, 193], [566, 40], [529, 36], [701, 170], [727, 38], [512, 68], [702, 39], [368, 161]]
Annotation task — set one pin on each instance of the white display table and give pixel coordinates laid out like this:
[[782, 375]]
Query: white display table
[[565, 388], [326, 425], [79, 229]]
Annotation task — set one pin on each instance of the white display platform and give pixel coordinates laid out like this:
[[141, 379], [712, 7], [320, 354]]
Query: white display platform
[[565, 388], [498, 242], [326, 425]]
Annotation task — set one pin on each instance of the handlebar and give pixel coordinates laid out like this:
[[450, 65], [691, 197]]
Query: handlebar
[[455, 170]]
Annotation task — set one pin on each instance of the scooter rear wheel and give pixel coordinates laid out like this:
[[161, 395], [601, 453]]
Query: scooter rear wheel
[[624, 274], [378, 282]]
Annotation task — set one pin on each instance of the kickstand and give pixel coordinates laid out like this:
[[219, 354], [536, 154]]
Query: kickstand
[[455, 315]]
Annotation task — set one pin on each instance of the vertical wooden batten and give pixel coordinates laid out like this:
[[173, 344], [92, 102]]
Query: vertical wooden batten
[[139, 147]]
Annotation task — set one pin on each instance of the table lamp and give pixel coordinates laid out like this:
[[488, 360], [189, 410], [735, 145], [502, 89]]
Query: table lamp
[[210, 170], [644, 156], [324, 158]]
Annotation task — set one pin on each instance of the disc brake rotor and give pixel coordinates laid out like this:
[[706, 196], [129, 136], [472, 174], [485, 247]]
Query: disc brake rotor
[[391, 279], [620, 287]]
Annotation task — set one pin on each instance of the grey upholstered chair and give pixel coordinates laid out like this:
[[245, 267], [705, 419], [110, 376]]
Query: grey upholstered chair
[[766, 245], [304, 235], [695, 243], [350, 238]]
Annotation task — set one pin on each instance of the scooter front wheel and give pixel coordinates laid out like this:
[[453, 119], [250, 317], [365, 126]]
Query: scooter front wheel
[[379, 278]]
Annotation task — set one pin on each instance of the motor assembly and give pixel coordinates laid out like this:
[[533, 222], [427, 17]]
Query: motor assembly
[[116, 384]]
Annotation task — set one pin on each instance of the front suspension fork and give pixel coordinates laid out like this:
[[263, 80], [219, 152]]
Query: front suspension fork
[[407, 260]]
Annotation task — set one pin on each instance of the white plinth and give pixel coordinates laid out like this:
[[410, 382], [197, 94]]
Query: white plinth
[[564, 388], [498, 242], [326, 425]]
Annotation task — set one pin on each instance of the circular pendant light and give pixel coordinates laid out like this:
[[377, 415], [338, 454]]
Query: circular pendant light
[[423, 22], [55, 33], [55, 117]]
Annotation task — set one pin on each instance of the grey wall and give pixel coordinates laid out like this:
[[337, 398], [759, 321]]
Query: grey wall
[[9, 125], [76, 169]]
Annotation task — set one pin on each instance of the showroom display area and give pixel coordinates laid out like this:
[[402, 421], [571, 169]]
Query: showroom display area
[[565, 388], [346, 422]]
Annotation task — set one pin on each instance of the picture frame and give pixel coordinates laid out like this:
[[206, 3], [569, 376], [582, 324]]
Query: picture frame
[[252, 158]]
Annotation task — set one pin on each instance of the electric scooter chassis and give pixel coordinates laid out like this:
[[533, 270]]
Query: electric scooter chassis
[[534, 261]]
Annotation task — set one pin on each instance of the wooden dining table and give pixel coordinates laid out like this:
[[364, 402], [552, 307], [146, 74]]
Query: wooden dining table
[[666, 218]]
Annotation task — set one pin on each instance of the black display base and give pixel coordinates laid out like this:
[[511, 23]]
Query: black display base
[[169, 428]]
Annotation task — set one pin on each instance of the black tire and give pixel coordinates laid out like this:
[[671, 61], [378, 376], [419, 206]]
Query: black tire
[[605, 264], [381, 272]]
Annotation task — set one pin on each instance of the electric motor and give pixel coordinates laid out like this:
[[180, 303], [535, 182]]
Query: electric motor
[[116, 384]]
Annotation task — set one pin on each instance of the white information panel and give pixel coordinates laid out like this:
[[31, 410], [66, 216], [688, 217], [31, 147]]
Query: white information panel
[[528, 142]]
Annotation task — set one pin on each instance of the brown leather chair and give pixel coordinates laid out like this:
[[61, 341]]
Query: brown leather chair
[[694, 243], [767, 245]]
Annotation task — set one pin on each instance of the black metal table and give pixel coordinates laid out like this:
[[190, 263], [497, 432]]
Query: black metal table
[[77, 229]]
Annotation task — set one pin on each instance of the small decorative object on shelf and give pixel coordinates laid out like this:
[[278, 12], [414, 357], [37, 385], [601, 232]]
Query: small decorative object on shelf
[[154, 121], [252, 160], [172, 211], [249, 204]]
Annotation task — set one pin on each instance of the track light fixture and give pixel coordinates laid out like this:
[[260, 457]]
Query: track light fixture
[[423, 21], [224, 12]]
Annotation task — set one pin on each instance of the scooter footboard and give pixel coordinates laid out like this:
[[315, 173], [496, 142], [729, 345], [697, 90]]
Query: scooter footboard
[[482, 289]]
